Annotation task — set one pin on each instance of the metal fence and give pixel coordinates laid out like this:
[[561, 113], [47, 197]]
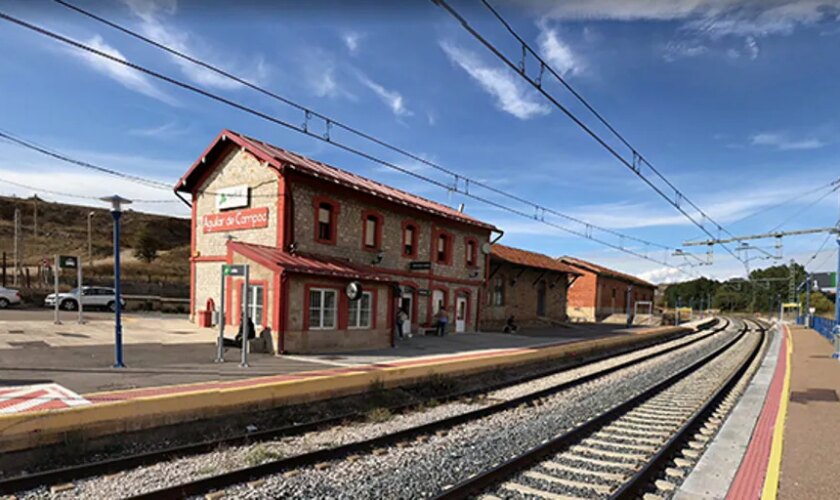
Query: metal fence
[[822, 325]]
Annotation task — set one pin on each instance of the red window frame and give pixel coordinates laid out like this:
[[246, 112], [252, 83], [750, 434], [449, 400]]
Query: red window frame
[[471, 257], [336, 208], [447, 251], [377, 237], [415, 238]]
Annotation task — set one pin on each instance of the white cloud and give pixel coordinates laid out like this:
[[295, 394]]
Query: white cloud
[[663, 275], [351, 40], [167, 129], [391, 98], [751, 47], [557, 52], [510, 95], [128, 77], [784, 142], [152, 14], [683, 49]]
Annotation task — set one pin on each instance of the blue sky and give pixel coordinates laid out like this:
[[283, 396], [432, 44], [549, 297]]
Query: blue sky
[[735, 101]]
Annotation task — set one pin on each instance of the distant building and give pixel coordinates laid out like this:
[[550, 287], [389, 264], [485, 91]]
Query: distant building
[[528, 285], [307, 230], [601, 292]]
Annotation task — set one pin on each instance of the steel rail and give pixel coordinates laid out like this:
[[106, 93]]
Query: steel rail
[[246, 474], [653, 467], [480, 482], [114, 465]]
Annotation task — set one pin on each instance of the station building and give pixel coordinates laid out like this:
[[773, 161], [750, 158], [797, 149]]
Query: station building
[[530, 286], [601, 292], [307, 229]]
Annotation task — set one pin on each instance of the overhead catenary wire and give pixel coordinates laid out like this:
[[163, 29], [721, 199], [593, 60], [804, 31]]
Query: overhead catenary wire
[[309, 112], [796, 197], [324, 138], [637, 161], [73, 195], [805, 208]]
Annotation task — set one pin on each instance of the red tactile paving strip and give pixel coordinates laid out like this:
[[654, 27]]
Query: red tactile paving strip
[[185, 389], [749, 480]]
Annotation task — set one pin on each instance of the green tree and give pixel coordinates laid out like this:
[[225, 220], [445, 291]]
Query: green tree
[[146, 246]]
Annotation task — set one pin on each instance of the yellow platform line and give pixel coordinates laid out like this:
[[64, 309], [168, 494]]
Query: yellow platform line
[[771, 480]]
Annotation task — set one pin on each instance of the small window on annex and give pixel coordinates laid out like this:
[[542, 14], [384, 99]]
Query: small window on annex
[[498, 292]]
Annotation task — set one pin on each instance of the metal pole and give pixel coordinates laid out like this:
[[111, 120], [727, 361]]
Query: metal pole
[[16, 271], [56, 319], [81, 293], [118, 348], [245, 319], [808, 300], [90, 241], [627, 306], [220, 352]]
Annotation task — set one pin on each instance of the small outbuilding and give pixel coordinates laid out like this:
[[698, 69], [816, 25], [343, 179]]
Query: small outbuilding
[[528, 285], [601, 292]]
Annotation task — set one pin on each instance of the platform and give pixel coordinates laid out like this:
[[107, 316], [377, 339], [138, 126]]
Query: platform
[[812, 432], [269, 382]]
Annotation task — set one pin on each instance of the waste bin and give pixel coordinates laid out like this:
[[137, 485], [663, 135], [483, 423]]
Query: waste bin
[[205, 319]]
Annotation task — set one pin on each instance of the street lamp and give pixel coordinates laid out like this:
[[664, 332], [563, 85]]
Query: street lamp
[[116, 211], [90, 242]]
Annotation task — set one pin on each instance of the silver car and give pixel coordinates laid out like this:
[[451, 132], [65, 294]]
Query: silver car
[[8, 297], [92, 297]]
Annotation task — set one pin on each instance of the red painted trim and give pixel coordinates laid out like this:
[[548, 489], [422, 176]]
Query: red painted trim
[[471, 257], [469, 294], [377, 237], [307, 287], [275, 303], [415, 240], [336, 209], [193, 209], [284, 317], [281, 214], [209, 258], [447, 249]]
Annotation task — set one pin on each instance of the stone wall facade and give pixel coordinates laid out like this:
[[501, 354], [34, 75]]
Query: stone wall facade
[[521, 290]]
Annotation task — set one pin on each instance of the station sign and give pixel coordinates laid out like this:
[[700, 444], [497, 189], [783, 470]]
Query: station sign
[[419, 265], [237, 220], [232, 197], [68, 262], [422, 292], [233, 270], [825, 280]]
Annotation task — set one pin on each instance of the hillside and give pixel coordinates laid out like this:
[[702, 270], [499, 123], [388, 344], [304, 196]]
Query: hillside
[[62, 229]]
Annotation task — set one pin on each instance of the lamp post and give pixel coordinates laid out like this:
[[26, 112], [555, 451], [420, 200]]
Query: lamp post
[[116, 212], [90, 240]]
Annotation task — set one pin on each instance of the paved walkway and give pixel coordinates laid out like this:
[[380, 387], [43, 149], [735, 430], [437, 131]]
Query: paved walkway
[[812, 434], [164, 350]]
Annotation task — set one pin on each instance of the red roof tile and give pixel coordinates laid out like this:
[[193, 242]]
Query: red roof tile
[[281, 158], [595, 268], [273, 257], [530, 259]]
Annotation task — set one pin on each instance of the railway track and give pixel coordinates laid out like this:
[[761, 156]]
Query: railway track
[[631, 450], [246, 474]]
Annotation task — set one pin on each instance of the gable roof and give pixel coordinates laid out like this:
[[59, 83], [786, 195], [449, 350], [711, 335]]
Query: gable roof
[[282, 159], [605, 271], [530, 259]]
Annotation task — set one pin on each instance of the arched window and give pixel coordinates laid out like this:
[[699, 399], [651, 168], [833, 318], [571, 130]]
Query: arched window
[[326, 220], [371, 230], [471, 252], [409, 239]]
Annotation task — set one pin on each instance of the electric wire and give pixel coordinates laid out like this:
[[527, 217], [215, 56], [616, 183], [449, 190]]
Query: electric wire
[[804, 209], [795, 197], [309, 112], [324, 138], [73, 195], [637, 161]]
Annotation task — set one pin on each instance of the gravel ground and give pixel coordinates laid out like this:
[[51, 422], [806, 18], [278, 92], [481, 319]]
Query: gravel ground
[[159, 475], [424, 468]]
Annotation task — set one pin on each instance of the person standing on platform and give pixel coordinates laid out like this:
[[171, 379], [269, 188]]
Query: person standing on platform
[[441, 320]]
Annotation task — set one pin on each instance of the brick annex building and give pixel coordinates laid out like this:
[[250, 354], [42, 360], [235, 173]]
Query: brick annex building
[[530, 286], [307, 229], [600, 292]]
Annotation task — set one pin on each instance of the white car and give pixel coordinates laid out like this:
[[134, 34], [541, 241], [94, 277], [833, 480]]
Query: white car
[[8, 297], [92, 297]]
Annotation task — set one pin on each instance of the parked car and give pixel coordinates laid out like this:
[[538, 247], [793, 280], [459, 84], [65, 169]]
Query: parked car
[[8, 297], [92, 297]]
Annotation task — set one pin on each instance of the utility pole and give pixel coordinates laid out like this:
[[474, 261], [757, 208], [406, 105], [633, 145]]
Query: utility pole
[[17, 249], [90, 243], [35, 216]]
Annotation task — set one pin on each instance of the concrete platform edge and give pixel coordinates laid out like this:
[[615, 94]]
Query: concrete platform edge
[[29, 430], [712, 477]]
